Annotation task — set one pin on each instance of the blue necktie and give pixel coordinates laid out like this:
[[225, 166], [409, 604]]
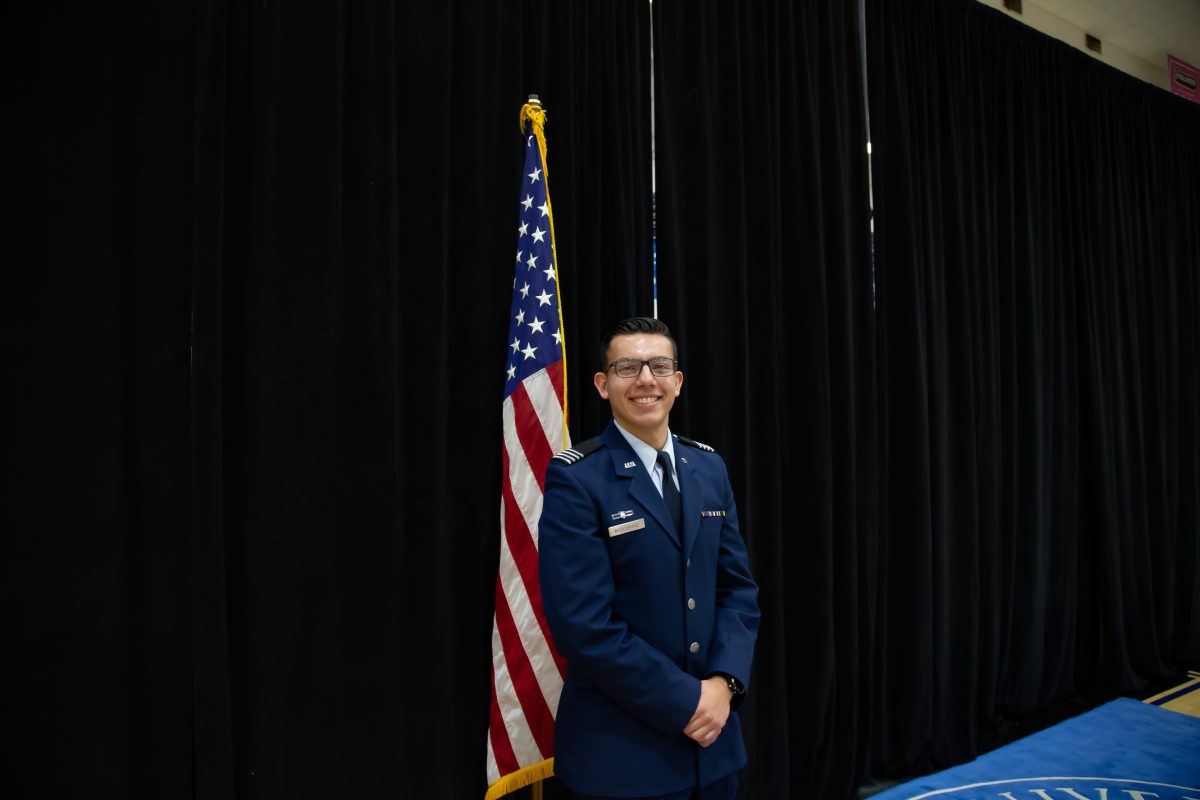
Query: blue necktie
[[669, 492]]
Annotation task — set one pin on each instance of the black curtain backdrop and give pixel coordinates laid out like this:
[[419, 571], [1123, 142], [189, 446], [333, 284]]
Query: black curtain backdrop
[[95, 573], [764, 272], [1037, 252], [260, 258], [264, 266]]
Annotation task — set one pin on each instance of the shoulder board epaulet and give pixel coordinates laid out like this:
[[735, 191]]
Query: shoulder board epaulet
[[579, 451], [694, 443]]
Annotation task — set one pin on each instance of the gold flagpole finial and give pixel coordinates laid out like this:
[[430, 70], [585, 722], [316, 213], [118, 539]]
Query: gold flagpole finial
[[533, 111]]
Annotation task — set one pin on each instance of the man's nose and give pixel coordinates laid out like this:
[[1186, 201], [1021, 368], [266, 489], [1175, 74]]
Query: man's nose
[[645, 375]]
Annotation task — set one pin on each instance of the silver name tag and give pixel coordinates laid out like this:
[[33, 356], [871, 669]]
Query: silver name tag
[[626, 527]]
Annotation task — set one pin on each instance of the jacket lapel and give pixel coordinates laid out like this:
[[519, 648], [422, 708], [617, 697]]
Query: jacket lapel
[[641, 488]]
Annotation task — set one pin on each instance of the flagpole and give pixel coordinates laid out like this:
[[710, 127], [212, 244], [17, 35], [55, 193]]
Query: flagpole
[[653, 179]]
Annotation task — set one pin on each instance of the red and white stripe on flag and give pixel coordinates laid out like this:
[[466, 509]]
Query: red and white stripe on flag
[[527, 673]]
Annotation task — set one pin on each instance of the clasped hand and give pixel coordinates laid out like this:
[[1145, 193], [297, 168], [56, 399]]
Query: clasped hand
[[711, 712]]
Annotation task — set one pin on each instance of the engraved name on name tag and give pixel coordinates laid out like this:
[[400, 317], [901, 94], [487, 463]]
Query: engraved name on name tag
[[626, 527]]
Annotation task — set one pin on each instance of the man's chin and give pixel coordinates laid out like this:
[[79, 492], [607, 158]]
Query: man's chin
[[646, 421]]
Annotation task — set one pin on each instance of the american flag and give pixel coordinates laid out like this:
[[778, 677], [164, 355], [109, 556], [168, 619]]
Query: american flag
[[527, 673]]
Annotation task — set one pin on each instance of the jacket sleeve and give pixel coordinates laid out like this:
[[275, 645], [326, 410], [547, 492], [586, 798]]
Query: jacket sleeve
[[577, 591], [737, 619]]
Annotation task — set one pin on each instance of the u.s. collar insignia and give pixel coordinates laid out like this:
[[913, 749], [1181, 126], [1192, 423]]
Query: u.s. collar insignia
[[622, 514], [629, 464]]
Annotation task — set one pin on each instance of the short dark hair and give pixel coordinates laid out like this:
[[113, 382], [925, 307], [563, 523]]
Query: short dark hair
[[636, 325]]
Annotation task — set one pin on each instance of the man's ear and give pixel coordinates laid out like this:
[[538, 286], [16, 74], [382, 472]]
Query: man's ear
[[600, 380]]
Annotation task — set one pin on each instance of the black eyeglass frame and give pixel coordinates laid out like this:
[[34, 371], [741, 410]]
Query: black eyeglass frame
[[645, 362]]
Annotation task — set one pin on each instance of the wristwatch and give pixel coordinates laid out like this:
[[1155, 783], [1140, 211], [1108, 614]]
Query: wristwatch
[[735, 686]]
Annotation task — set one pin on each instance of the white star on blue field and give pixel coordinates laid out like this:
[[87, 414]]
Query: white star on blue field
[[533, 335]]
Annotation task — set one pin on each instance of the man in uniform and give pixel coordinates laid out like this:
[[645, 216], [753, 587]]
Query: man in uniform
[[647, 591]]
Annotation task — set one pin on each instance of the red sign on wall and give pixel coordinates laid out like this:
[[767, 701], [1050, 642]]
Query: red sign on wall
[[1185, 79]]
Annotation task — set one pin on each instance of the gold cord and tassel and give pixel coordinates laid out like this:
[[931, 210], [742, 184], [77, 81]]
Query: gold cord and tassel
[[533, 113], [522, 778]]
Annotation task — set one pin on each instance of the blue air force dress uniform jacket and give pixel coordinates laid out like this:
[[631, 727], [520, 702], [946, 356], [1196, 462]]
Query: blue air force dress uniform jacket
[[642, 612]]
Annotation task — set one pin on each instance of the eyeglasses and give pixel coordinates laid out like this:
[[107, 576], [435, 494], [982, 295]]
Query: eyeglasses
[[660, 367]]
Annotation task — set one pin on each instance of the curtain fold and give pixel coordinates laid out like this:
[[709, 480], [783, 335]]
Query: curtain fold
[[764, 276], [1036, 257], [94, 506]]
